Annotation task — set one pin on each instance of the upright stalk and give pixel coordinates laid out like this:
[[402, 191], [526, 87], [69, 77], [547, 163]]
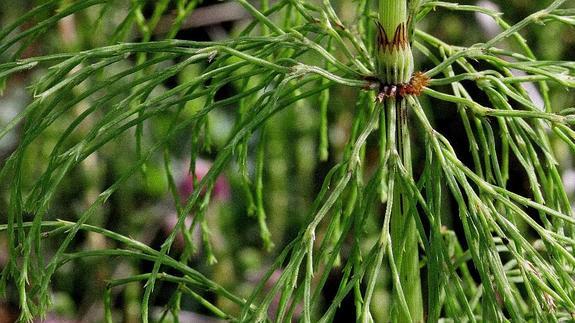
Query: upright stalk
[[393, 58], [403, 230], [394, 70]]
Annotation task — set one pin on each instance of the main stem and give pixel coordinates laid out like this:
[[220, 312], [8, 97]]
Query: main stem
[[394, 58], [403, 230], [395, 67]]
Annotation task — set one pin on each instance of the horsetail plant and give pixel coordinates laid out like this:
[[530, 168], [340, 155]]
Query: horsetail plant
[[425, 231]]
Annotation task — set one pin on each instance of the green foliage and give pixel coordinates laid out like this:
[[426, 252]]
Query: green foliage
[[409, 226]]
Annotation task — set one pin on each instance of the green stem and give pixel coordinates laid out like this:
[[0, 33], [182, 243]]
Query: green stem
[[394, 67], [394, 58], [392, 13], [403, 233]]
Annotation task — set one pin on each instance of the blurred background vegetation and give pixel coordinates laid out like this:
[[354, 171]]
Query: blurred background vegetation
[[144, 209]]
